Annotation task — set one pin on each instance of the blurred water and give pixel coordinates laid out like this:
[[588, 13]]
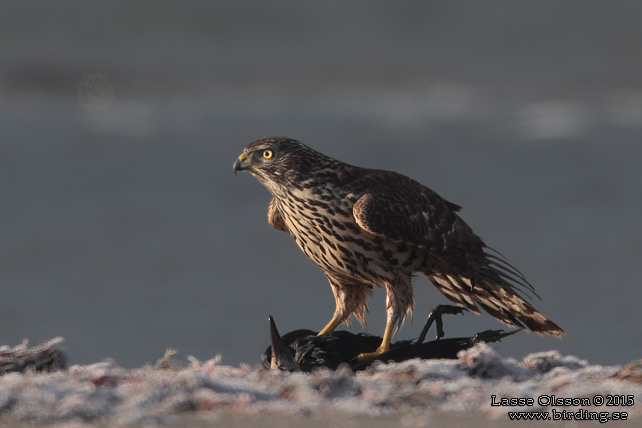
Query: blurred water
[[124, 230]]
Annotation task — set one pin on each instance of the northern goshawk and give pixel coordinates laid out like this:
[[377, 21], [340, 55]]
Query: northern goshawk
[[366, 228]]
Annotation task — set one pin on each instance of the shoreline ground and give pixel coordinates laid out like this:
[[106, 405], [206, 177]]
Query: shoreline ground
[[477, 387]]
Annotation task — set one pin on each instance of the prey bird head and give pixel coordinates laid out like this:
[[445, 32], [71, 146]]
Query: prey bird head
[[278, 161]]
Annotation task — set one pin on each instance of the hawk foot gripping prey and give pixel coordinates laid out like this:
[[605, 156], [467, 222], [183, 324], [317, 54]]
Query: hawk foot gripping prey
[[383, 348], [369, 228], [302, 350], [435, 316]]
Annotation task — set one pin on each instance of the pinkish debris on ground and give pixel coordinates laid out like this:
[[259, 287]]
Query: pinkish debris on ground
[[473, 384]]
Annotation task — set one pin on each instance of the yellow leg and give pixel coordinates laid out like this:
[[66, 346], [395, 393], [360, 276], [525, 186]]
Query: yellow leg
[[385, 343], [334, 322]]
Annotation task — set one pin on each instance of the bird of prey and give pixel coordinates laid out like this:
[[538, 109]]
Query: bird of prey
[[366, 228]]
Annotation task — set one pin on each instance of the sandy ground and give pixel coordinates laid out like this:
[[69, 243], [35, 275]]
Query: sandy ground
[[420, 420], [319, 421], [410, 394]]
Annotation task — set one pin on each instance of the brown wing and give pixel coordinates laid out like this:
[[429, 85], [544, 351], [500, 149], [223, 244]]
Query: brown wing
[[274, 217], [397, 208]]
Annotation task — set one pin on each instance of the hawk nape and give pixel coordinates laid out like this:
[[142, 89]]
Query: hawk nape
[[366, 228]]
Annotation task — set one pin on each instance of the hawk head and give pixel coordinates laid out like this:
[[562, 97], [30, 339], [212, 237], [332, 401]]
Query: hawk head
[[278, 161]]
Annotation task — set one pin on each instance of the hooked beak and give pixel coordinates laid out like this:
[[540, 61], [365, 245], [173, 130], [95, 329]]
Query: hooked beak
[[241, 163], [282, 357]]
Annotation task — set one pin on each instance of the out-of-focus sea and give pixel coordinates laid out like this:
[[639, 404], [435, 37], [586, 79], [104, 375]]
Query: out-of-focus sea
[[124, 230]]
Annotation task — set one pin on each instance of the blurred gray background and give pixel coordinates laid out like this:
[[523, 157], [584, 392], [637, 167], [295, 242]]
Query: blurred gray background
[[123, 229]]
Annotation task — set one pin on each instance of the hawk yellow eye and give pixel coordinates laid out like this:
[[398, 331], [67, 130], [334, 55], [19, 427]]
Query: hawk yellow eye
[[267, 154]]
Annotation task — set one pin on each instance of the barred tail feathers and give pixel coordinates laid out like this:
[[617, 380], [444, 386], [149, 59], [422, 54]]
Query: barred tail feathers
[[498, 298]]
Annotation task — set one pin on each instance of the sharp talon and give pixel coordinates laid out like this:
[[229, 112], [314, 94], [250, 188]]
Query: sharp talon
[[435, 317], [369, 355], [334, 322]]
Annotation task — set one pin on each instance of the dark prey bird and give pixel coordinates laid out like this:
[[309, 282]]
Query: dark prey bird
[[367, 228], [303, 350]]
